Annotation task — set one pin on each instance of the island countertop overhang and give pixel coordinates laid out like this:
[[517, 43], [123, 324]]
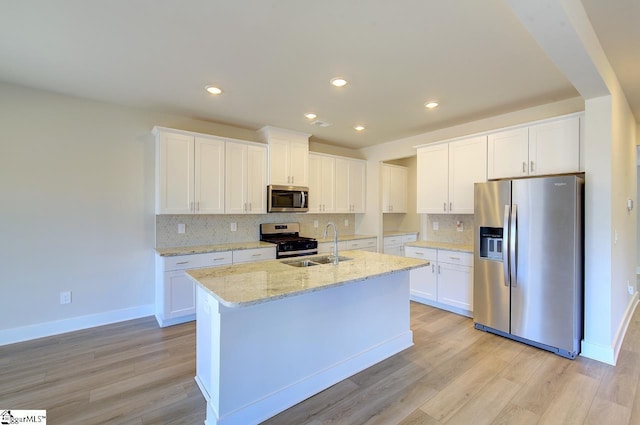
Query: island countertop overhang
[[246, 284]]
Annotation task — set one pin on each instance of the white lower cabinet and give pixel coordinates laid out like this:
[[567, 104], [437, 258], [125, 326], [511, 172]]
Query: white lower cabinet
[[367, 244], [447, 283], [394, 245], [176, 292]]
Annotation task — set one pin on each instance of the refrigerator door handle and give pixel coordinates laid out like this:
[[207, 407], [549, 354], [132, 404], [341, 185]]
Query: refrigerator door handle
[[513, 245], [505, 257]]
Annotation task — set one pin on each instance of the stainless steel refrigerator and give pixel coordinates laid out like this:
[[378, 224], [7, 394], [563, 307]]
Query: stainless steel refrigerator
[[528, 261]]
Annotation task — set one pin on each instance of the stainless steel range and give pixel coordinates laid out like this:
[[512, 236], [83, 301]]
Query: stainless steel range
[[287, 238]]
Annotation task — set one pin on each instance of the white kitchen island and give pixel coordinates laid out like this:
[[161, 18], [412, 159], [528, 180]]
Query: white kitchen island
[[270, 335]]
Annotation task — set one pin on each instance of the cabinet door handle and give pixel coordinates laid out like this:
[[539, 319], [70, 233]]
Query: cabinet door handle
[[257, 255], [191, 206], [433, 268], [524, 166], [198, 206], [450, 206], [182, 262], [531, 168], [444, 206], [439, 270], [250, 207], [218, 259]]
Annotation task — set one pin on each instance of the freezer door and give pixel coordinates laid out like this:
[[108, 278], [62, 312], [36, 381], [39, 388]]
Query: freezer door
[[490, 289], [546, 293]]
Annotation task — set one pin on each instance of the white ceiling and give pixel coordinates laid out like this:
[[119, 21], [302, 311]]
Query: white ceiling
[[274, 59]]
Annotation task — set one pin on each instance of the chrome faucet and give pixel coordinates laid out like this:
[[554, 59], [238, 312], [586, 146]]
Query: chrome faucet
[[335, 240]]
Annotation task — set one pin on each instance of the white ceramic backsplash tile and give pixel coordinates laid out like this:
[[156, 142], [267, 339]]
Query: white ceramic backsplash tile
[[447, 231], [216, 229]]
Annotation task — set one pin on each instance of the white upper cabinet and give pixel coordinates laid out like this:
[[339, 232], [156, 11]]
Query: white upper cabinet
[[288, 156], [189, 173], [467, 166], [446, 175], [350, 185], [508, 153], [551, 147], [394, 188], [554, 147], [433, 178], [246, 178], [321, 183]]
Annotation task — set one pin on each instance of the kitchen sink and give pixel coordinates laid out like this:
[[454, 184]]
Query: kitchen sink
[[314, 261]]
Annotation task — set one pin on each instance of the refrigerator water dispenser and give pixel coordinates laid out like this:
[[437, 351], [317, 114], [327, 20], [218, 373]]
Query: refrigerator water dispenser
[[491, 243]]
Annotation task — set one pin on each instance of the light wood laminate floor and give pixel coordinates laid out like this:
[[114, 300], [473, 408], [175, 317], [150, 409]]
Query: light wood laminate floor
[[137, 373]]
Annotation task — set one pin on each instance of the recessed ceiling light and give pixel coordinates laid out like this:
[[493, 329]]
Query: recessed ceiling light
[[213, 90], [431, 104], [358, 127], [338, 82], [310, 116]]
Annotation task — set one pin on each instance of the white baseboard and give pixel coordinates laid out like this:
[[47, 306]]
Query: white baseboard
[[40, 330], [609, 354]]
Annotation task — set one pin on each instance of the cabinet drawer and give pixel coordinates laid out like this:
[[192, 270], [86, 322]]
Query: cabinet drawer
[[256, 254], [455, 257], [184, 262], [392, 240], [409, 238], [421, 253], [362, 244]]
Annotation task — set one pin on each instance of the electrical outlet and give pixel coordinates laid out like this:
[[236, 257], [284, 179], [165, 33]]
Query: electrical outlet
[[346, 223], [459, 226], [315, 223], [65, 297], [435, 225], [181, 227], [234, 227]]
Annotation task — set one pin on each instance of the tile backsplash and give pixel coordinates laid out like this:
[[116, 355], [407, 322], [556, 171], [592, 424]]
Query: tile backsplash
[[216, 229], [448, 229]]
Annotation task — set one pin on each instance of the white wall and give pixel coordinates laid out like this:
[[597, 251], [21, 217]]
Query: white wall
[[76, 210]]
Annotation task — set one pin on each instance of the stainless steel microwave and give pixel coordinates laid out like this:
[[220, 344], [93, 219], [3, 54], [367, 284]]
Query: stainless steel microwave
[[287, 198]]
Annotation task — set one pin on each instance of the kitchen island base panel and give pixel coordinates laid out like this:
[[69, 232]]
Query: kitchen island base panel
[[253, 362]]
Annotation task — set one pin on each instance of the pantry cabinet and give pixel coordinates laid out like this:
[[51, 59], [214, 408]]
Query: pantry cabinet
[[288, 156], [394, 188], [446, 283], [190, 173], [350, 175], [550, 147], [321, 183], [446, 175], [246, 178]]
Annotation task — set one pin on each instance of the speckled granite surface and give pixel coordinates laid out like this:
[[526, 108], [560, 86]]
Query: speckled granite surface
[[442, 245], [252, 283], [202, 249]]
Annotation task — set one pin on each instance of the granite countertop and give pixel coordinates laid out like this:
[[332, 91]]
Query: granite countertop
[[203, 249], [253, 283], [398, 233], [345, 238], [442, 245]]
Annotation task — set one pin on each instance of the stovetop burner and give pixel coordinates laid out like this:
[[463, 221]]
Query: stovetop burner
[[287, 238]]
